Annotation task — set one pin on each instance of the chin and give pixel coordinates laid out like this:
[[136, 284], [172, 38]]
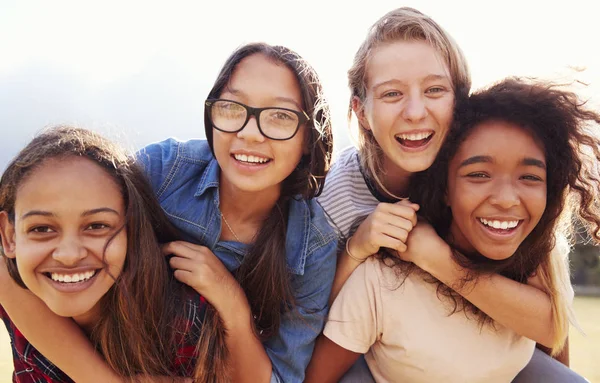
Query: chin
[[498, 254], [417, 165]]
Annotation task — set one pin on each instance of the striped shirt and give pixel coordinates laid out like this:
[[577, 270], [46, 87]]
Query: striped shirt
[[348, 195]]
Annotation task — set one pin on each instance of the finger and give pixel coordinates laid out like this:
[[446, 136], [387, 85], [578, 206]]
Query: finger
[[184, 276], [392, 243], [179, 263], [191, 246], [402, 211], [406, 202], [396, 233], [183, 249], [394, 223]]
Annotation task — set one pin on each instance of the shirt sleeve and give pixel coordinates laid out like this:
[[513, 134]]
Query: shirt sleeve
[[354, 321], [29, 365], [291, 349]]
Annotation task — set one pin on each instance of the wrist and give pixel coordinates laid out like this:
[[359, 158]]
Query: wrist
[[234, 309], [439, 265], [355, 254]]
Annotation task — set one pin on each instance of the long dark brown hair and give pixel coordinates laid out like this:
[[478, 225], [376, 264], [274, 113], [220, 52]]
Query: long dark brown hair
[[263, 274], [140, 328], [569, 133]]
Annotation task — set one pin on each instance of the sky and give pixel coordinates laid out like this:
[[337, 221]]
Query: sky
[[139, 71]]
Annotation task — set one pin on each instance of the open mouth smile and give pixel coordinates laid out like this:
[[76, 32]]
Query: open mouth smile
[[502, 227], [72, 282], [415, 140], [251, 160]]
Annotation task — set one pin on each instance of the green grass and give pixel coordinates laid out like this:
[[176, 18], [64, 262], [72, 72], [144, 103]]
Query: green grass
[[585, 350]]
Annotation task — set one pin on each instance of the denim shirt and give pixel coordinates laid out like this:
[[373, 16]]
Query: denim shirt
[[185, 177]]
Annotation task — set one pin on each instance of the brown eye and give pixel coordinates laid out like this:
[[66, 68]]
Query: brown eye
[[41, 229], [97, 226]]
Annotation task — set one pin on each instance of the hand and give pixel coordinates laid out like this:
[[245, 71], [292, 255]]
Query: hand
[[424, 246], [387, 226], [199, 268]]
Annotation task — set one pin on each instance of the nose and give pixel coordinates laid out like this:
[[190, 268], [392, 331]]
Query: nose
[[250, 132], [414, 108], [70, 251], [505, 195]]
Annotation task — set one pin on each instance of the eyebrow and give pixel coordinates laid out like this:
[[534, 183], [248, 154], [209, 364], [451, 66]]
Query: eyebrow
[[425, 79], [84, 214], [527, 161], [288, 100], [476, 160]]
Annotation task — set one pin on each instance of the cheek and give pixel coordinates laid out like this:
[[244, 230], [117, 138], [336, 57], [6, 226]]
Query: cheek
[[537, 205], [380, 116], [116, 253], [220, 143], [443, 112], [463, 199]]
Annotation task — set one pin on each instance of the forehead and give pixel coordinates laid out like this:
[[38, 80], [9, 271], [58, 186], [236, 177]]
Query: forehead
[[71, 182], [260, 81], [504, 138], [406, 61]]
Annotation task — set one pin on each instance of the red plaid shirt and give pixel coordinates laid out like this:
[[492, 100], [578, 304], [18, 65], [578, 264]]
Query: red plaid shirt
[[32, 367]]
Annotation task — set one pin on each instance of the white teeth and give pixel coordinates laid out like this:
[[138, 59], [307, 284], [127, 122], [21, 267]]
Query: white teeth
[[415, 136], [72, 278], [252, 159], [504, 225]]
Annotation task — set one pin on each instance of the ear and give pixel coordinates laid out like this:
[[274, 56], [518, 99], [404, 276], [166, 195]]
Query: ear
[[7, 232], [358, 107]]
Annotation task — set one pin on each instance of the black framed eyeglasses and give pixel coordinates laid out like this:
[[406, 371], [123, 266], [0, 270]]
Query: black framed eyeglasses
[[274, 123]]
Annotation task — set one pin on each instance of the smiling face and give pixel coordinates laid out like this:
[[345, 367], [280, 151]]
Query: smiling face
[[65, 212], [496, 189], [249, 161], [409, 104]]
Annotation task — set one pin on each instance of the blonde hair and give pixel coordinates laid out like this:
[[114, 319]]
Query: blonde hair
[[402, 24], [554, 278]]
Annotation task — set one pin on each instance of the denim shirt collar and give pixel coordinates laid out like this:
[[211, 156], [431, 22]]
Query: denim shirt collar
[[299, 222]]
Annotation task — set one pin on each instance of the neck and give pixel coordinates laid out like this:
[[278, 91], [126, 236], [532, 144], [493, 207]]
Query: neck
[[88, 320], [395, 179], [456, 238], [246, 206]]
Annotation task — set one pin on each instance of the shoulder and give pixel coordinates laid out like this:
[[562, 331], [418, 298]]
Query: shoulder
[[346, 166], [320, 229], [171, 163], [174, 149]]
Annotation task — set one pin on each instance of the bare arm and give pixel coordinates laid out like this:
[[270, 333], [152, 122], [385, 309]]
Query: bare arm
[[249, 361], [523, 308], [387, 226], [329, 362], [45, 331], [200, 269]]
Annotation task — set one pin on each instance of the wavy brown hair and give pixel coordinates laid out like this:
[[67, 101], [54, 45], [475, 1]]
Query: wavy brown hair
[[569, 133], [263, 274], [141, 325]]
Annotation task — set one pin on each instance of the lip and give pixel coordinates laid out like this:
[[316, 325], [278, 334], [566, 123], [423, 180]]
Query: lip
[[499, 234], [418, 148], [65, 270], [72, 287], [249, 167], [249, 153]]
